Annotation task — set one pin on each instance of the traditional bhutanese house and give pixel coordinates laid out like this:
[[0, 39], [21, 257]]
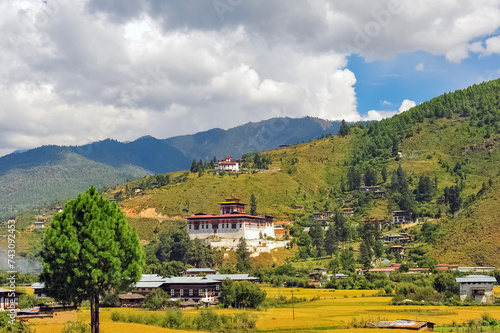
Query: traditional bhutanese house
[[39, 224], [442, 267], [299, 207], [328, 214], [403, 238], [228, 164], [399, 217], [368, 189], [323, 222], [8, 299], [232, 222], [478, 288], [348, 211], [131, 300], [192, 289], [453, 267], [397, 251], [317, 273], [378, 194], [192, 272], [39, 289], [404, 324], [317, 215]]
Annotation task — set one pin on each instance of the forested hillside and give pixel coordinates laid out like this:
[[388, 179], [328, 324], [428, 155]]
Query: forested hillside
[[437, 161]]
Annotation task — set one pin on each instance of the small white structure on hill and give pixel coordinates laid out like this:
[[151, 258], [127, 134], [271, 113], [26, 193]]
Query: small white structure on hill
[[228, 164]]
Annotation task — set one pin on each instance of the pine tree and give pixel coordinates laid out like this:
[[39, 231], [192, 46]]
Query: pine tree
[[243, 264], [344, 129], [194, 166], [253, 205], [90, 249], [330, 240], [384, 173], [316, 233]]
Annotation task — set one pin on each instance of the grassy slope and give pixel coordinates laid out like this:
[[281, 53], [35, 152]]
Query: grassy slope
[[319, 168], [473, 237]]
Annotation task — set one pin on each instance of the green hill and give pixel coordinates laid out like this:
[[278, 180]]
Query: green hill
[[451, 139]]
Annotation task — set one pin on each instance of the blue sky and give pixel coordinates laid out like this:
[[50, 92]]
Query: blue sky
[[392, 81], [79, 72]]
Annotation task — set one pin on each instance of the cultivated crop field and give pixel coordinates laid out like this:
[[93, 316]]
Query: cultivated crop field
[[335, 309]]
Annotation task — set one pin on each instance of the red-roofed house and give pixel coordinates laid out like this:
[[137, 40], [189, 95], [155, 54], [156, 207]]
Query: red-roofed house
[[228, 164]]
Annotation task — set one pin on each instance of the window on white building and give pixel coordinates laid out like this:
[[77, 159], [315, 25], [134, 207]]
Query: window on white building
[[181, 292], [171, 292], [200, 292], [190, 292]]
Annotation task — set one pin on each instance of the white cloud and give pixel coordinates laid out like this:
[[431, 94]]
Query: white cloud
[[420, 67], [406, 105], [79, 72], [379, 115], [384, 103]]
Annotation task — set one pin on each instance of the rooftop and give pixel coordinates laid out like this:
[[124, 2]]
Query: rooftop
[[477, 278]]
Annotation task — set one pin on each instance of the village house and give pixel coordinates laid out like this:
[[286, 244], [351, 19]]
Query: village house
[[299, 207], [196, 289], [478, 288], [232, 222], [368, 189], [318, 215], [39, 289], [348, 211], [8, 299], [403, 238], [399, 217], [39, 224], [228, 164], [397, 251], [403, 324], [131, 300]]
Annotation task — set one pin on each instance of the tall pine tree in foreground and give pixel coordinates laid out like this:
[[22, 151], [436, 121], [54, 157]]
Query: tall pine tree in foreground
[[89, 249]]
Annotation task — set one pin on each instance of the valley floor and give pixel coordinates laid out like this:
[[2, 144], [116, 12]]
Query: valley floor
[[335, 311]]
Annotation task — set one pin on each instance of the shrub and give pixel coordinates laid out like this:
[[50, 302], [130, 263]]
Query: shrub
[[156, 300], [76, 327]]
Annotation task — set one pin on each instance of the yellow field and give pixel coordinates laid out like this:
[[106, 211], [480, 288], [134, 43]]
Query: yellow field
[[335, 309]]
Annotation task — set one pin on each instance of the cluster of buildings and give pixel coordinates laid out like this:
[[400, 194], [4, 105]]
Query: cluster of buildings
[[190, 289]]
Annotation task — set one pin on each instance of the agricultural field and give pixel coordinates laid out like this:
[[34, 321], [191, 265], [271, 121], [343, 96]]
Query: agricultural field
[[330, 311]]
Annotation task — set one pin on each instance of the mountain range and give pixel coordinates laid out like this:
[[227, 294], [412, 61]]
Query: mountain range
[[47, 174]]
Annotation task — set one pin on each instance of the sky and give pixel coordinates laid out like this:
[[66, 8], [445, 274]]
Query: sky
[[74, 72]]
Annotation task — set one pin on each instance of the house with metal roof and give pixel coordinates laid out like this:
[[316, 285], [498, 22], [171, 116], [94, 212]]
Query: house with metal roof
[[403, 324], [478, 288]]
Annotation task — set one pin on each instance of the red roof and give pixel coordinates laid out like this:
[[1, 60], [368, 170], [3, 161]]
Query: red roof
[[213, 217], [390, 269]]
